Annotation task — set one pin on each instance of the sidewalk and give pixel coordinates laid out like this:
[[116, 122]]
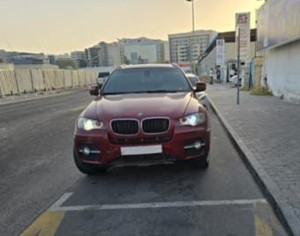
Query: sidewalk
[[267, 132]]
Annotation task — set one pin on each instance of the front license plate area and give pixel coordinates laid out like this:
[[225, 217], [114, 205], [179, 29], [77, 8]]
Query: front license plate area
[[141, 150]]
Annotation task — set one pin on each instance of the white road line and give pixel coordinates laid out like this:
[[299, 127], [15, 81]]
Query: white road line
[[60, 201], [58, 207]]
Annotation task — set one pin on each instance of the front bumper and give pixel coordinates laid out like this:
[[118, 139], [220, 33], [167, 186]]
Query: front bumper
[[179, 148]]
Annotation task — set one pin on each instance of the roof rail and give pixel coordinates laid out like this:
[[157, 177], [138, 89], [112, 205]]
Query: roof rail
[[175, 65]]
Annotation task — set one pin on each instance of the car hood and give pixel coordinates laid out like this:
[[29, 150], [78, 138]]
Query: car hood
[[172, 105]]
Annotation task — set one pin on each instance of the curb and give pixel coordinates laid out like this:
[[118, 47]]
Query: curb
[[282, 208], [37, 97]]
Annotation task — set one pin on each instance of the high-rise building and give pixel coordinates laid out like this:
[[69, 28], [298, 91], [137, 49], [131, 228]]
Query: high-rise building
[[110, 54], [141, 51], [79, 58], [188, 47], [92, 55], [166, 51], [103, 55]]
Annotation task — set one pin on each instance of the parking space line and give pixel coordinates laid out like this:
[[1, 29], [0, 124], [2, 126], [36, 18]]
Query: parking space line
[[61, 201], [58, 205]]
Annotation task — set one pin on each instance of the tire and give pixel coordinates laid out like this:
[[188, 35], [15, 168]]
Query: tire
[[200, 162], [89, 169]]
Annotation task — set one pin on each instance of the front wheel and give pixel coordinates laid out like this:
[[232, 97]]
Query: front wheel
[[201, 162]]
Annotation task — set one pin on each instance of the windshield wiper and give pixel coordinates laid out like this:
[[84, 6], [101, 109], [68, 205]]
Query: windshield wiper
[[115, 93], [162, 91], [147, 91]]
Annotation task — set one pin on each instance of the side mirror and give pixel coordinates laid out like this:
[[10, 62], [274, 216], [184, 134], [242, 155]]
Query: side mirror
[[94, 90], [200, 86]]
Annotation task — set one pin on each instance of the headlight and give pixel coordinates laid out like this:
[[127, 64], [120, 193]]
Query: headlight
[[89, 124], [193, 119]]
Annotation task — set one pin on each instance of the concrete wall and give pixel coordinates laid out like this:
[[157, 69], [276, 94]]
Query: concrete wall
[[25, 81], [282, 70], [37, 66], [100, 69], [5, 66]]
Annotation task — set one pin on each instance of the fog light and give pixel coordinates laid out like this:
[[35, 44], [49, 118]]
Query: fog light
[[198, 145], [86, 151]]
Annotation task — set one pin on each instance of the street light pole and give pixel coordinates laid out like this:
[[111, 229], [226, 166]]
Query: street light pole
[[193, 21], [238, 64], [193, 14]]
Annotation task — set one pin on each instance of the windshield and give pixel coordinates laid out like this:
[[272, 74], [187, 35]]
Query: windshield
[[146, 80]]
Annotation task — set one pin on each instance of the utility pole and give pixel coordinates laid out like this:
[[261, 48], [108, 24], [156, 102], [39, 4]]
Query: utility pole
[[193, 30], [238, 64]]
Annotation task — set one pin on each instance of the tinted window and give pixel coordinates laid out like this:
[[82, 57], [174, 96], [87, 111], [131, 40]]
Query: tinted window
[[140, 80]]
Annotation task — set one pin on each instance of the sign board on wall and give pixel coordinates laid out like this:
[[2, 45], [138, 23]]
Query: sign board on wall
[[278, 21], [220, 51], [243, 23]]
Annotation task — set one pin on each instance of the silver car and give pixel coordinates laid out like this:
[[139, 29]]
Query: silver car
[[202, 96]]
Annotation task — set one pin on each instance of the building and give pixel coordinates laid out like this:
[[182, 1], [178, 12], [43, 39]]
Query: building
[[278, 45], [126, 51], [167, 52], [92, 56], [141, 51], [188, 47], [103, 55], [7, 56], [27, 60], [51, 59], [24, 60], [79, 59], [65, 61], [110, 54], [2, 56], [209, 58]]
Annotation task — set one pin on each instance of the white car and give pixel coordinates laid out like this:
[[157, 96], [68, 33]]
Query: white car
[[234, 80], [202, 96], [102, 76]]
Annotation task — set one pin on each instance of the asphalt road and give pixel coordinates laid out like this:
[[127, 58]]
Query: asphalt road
[[42, 192]]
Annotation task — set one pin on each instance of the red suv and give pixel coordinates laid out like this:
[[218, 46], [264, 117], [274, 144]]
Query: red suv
[[143, 114]]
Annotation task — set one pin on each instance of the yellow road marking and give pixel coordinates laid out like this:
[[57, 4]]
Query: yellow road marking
[[262, 227], [46, 225]]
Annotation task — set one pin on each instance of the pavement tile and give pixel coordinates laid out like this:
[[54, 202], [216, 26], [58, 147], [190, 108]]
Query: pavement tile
[[270, 129]]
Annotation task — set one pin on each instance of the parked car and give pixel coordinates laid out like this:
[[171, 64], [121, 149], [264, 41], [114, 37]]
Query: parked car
[[202, 96], [143, 114], [102, 76], [234, 80]]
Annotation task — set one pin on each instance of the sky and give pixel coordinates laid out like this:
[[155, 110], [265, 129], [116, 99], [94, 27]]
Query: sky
[[62, 26]]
